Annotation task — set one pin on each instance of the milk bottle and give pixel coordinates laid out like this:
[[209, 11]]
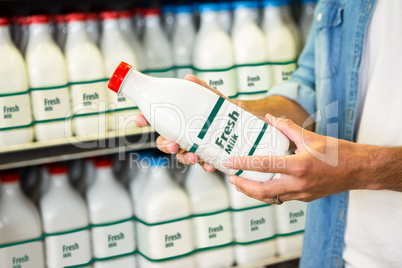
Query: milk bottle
[[281, 44], [225, 16], [207, 195], [92, 27], [306, 18], [47, 68], [251, 225], [128, 32], [115, 48], [109, 202], [139, 22], [199, 120], [249, 47], [290, 221], [61, 30], [157, 48], [288, 18], [183, 40], [163, 200], [15, 113], [85, 63], [64, 217], [213, 49], [19, 222], [168, 19]]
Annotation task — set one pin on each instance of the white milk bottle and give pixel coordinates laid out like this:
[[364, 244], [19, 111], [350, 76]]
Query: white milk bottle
[[225, 16], [163, 200], [253, 228], [85, 64], [92, 27], [64, 218], [306, 18], [158, 51], [290, 222], [115, 48], [15, 104], [183, 40], [169, 19], [139, 22], [127, 30], [213, 49], [250, 48], [19, 222], [208, 194], [199, 120], [47, 68], [61, 30], [281, 44], [290, 22], [109, 202]]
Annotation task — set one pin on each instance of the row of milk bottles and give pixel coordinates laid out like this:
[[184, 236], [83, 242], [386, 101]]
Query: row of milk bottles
[[145, 43], [153, 196]]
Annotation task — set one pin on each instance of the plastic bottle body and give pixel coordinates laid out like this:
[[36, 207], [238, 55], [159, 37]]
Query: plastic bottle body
[[19, 222], [202, 122], [85, 63], [250, 48], [16, 109], [109, 202], [208, 194], [47, 68], [213, 49]]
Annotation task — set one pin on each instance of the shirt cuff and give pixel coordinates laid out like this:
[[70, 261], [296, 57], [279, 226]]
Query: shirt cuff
[[302, 94]]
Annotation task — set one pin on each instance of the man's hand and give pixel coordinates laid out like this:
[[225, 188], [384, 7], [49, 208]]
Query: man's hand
[[322, 166]]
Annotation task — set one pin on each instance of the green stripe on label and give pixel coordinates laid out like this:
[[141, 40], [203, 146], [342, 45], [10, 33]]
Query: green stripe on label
[[252, 92], [211, 117], [239, 172], [193, 148]]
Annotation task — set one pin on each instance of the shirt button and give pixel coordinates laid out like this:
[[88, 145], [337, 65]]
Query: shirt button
[[319, 17]]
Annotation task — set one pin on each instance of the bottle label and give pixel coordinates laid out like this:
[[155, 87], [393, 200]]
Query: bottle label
[[29, 255], [254, 82], [230, 131], [68, 249], [119, 101], [113, 240], [15, 111], [213, 230], [88, 98], [225, 82], [50, 104], [291, 217], [165, 240], [254, 224], [283, 73]]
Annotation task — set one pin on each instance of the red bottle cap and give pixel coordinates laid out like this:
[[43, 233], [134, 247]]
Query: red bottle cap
[[91, 16], [125, 14], [8, 177], [75, 17], [152, 11], [56, 169], [36, 19], [3, 21], [103, 162], [106, 15], [118, 76]]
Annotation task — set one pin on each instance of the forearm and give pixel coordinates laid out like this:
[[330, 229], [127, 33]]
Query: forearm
[[383, 168], [278, 106]]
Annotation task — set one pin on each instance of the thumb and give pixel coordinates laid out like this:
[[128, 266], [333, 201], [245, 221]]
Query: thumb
[[287, 127], [195, 79]]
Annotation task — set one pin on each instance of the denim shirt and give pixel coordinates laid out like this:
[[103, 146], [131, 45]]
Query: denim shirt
[[326, 86]]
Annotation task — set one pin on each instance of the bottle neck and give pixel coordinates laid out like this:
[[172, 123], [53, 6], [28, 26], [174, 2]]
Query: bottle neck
[[209, 19], [243, 15], [39, 33], [160, 176], [184, 19], [110, 25], [11, 190], [104, 175], [152, 22], [58, 182], [5, 35], [273, 15], [125, 24], [76, 32]]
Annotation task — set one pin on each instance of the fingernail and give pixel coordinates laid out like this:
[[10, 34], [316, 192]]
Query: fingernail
[[232, 180], [228, 163], [269, 117]]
